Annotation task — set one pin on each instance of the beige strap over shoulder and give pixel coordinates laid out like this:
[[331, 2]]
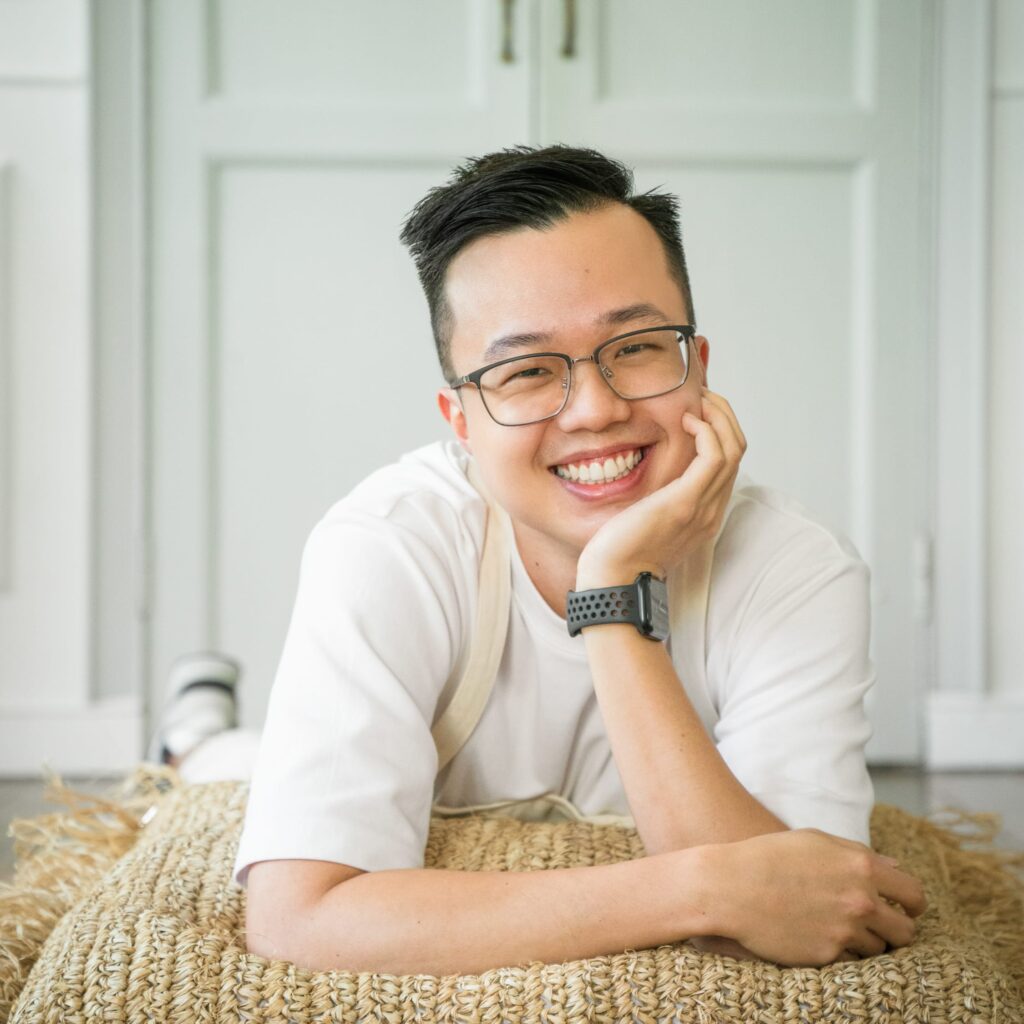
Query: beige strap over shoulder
[[490, 629]]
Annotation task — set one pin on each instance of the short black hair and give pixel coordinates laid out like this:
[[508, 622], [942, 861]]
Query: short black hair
[[524, 186]]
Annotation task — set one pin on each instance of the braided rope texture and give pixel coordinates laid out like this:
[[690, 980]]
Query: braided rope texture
[[111, 920]]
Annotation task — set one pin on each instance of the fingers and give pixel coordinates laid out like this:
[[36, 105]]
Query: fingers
[[719, 439], [706, 483], [725, 435], [722, 946], [867, 943], [894, 927], [715, 402], [904, 889], [719, 446], [892, 882], [703, 476]]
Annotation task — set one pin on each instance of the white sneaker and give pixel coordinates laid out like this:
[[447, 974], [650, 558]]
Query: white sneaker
[[200, 701]]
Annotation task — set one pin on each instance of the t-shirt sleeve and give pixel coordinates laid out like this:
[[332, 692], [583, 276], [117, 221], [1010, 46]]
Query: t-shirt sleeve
[[792, 724], [346, 764]]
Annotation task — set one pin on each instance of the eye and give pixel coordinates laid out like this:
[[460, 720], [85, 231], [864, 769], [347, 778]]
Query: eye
[[525, 374], [530, 371], [633, 348]]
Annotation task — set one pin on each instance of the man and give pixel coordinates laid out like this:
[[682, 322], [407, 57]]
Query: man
[[563, 318]]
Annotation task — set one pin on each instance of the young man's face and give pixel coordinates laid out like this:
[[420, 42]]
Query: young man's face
[[563, 283]]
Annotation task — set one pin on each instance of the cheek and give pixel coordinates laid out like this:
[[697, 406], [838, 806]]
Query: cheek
[[670, 416], [508, 459], [681, 444]]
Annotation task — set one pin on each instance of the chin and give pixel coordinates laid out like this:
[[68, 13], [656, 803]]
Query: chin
[[586, 533]]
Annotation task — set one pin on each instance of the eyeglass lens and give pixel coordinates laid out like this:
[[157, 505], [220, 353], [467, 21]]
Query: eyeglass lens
[[530, 388]]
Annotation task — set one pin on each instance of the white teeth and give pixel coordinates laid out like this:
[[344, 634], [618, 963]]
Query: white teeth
[[601, 473]]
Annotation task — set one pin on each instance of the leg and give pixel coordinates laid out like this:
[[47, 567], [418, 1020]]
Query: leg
[[199, 706], [230, 754]]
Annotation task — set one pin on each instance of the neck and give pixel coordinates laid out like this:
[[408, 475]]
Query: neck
[[553, 572]]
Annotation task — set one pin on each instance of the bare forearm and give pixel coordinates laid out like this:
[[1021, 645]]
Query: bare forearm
[[680, 791], [431, 921]]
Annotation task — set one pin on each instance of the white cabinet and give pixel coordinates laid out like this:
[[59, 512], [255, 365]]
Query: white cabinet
[[286, 143]]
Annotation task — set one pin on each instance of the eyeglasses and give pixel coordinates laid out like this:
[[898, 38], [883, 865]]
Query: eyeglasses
[[530, 388]]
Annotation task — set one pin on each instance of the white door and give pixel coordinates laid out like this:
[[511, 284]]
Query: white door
[[289, 143], [792, 133]]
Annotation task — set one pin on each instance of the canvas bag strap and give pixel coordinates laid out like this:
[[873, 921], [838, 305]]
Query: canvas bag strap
[[490, 628], [548, 806], [689, 591]]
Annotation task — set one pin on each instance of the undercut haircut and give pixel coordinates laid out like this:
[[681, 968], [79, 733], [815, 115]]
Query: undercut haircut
[[525, 187]]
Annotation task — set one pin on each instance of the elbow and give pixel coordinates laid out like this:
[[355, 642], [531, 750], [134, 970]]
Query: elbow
[[297, 940], [285, 903], [272, 939]]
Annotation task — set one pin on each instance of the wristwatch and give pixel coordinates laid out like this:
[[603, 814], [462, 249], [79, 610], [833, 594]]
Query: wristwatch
[[643, 603]]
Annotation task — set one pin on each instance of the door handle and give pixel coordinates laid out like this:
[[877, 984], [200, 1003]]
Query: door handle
[[507, 30], [569, 29]]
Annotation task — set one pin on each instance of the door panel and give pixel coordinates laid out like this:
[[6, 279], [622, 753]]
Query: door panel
[[739, 225], [289, 143], [386, 53], [793, 135], [311, 361], [733, 54]]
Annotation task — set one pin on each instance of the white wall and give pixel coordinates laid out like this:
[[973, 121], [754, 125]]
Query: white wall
[[50, 709]]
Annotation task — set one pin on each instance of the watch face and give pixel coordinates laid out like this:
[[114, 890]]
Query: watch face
[[653, 606]]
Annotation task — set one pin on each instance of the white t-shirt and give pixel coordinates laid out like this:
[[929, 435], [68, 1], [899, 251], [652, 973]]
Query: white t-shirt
[[347, 766]]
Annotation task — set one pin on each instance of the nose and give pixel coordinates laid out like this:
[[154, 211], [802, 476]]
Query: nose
[[592, 404]]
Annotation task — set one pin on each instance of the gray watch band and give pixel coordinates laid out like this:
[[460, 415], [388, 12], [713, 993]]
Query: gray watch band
[[642, 603]]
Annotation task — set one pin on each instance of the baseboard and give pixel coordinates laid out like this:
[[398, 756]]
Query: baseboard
[[103, 738], [974, 731]]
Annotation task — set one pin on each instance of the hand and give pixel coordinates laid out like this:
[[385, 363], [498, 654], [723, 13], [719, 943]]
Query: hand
[[655, 533], [722, 946], [804, 898]]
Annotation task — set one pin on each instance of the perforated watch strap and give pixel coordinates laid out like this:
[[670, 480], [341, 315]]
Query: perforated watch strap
[[608, 604]]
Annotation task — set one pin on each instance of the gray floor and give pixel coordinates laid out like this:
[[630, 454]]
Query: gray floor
[[23, 798], [910, 788]]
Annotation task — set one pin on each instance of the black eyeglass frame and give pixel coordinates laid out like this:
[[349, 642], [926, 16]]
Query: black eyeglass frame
[[687, 331]]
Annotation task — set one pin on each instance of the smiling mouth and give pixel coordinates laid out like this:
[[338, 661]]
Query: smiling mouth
[[601, 471]]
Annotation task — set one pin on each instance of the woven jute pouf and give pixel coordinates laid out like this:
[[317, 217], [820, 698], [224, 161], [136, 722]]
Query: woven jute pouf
[[151, 929]]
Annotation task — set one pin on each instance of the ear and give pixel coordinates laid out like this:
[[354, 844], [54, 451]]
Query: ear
[[704, 351], [451, 409]]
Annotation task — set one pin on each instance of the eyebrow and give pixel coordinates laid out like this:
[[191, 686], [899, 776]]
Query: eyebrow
[[499, 347]]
